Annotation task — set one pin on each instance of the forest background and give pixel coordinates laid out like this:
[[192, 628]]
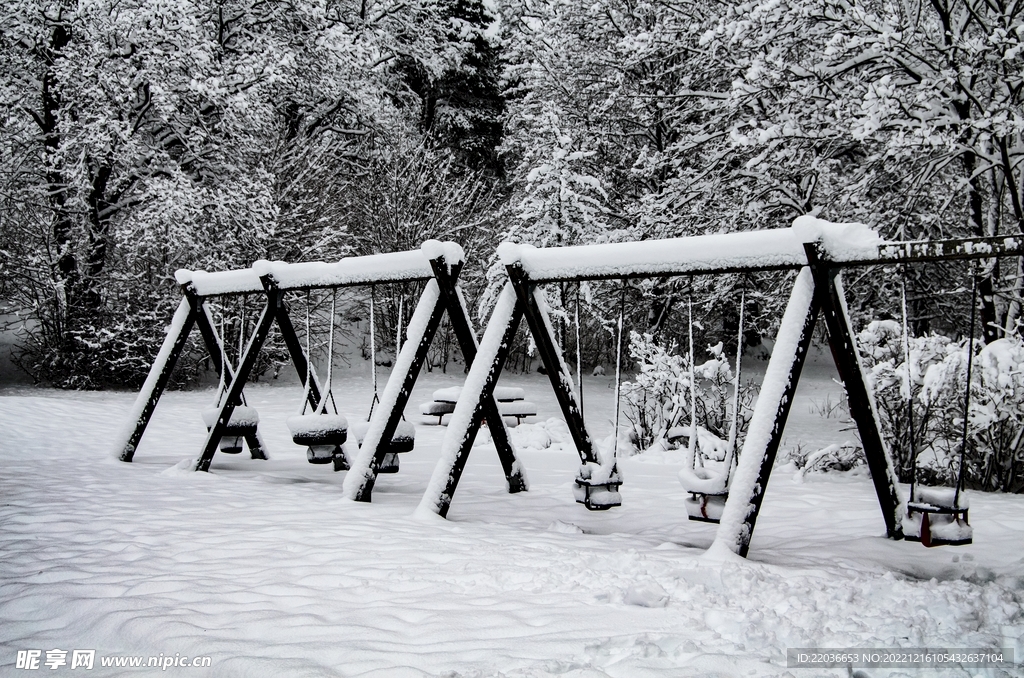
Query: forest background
[[142, 136]]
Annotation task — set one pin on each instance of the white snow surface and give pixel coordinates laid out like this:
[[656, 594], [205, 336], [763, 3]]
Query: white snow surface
[[267, 569], [755, 250]]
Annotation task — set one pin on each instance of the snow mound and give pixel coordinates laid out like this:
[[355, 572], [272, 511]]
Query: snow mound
[[841, 241], [649, 594], [540, 436]]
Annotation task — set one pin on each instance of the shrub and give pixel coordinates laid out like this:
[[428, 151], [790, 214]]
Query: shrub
[[659, 398], [994, 457]]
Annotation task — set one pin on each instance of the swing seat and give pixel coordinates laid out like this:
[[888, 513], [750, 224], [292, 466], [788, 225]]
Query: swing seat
[[936, 517], [318, 429], [708, 493], [322, 434], [403, 441], [596, 488], [243, 422]]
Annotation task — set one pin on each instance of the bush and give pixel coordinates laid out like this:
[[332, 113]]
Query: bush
[[659, 398], [994, 457]]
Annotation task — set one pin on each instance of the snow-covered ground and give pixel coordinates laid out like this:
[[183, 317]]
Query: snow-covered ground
[[265, 568]]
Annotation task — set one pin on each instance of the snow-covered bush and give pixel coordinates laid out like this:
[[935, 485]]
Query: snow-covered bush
[[994, 458], [659, 398]]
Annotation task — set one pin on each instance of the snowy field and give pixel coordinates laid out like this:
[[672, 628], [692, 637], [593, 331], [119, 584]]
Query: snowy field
[[263, 567]]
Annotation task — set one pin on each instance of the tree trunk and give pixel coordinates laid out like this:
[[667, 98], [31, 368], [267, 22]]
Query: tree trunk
[[976, 219]]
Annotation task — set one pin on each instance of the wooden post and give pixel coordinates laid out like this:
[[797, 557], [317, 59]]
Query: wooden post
[[392, 407], [768, 421], [291, 341], [829, 290], [234, 392], [469, 410], [558, 372], [451, 295], [159, 376], [214, 344]]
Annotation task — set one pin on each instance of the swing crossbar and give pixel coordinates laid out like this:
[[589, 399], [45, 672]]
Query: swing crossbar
[[394, 267], [745, 252]]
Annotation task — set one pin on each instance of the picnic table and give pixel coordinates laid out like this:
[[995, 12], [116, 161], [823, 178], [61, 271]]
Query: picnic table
[[512, 404]]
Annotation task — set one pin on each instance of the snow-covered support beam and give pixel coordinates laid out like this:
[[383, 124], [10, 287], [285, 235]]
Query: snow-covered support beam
[[458, 317], [215, 345], [441, 294], [392, 267], [832, 299], [469, 410], [531, 299], [844, 245], [768, 421], [232, 397], [156, 381], [420, 332], [703, 254]]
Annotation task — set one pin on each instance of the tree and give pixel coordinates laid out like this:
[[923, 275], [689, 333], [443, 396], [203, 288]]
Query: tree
[[150, 136]]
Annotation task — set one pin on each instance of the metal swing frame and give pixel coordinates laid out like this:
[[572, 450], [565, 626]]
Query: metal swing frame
[[436, 264], [817, 291]]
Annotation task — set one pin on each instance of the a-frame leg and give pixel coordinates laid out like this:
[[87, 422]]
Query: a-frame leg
[[829, 289], [534, 307], [214, 344], [292, 343], [458, 316], [156, 381], [469, 410], [750, 479], [426, 319], [238, 380]]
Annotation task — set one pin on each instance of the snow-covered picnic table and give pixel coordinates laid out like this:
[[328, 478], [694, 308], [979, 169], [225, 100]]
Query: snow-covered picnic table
[[512, 403]]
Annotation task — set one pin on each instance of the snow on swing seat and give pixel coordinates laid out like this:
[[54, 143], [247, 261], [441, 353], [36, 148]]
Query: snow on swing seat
[[323, 434], [703, 480], [939, 497], [243, 422], [318, 429], [403, 441], [936, 516], [597, 487], [242, 417], [708, 489]]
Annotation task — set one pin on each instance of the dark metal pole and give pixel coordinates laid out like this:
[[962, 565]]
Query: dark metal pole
[[234, 392], [828, 291], [558, 371], [459, 319]]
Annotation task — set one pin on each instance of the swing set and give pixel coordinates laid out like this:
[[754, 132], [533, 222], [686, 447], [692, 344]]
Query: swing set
[[819, 251], [436, 265]]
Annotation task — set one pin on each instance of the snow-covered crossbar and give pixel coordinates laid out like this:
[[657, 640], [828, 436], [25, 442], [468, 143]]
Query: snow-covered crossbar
[[410, 266], [842, 245]]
